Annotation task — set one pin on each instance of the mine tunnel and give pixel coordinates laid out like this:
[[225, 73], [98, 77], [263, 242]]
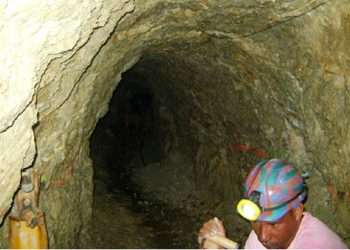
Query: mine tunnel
[[143, 118], [138, 163]]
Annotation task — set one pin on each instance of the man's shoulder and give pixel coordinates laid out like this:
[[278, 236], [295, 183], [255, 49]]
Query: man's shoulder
[[311, 224], [313, 233]]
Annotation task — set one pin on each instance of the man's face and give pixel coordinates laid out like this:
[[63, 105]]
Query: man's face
[[280, 233]]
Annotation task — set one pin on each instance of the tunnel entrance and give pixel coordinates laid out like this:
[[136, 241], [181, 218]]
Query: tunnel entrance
[[135, 160]]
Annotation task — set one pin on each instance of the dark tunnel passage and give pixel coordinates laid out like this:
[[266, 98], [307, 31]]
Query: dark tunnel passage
[[128, 132], [129, 142]]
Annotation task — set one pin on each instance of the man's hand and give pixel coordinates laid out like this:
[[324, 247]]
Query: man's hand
[[213, 227]]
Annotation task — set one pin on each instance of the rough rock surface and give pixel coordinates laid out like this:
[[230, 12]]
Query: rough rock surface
[[269, 74]]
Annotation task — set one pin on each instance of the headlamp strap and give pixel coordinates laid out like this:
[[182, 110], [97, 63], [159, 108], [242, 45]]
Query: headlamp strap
[[255, 197]]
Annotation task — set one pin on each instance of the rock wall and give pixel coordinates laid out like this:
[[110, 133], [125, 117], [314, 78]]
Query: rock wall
[[268, 74]]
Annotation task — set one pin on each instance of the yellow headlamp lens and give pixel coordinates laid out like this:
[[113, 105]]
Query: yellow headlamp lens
[[248, 209]]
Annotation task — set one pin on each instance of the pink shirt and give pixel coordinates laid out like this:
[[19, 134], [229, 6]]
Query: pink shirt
[[312, 233]]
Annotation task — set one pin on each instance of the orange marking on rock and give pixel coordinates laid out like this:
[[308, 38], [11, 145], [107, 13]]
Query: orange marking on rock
[[239, 147], [260, 153], [244, 148]]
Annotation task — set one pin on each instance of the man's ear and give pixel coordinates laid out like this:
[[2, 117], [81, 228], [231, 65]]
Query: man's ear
[[298, 212]]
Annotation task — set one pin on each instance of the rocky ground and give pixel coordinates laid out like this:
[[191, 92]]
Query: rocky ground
[[150, 214]]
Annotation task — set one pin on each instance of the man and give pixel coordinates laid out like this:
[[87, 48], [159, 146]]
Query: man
[[275, 193]]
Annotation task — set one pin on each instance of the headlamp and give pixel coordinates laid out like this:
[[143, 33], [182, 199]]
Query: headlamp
[[249, 208]]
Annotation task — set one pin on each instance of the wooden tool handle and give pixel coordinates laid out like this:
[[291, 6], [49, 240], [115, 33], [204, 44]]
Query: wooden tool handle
[[224, 242]]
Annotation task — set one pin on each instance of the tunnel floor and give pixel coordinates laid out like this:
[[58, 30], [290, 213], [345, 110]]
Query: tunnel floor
[[121, 220]]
